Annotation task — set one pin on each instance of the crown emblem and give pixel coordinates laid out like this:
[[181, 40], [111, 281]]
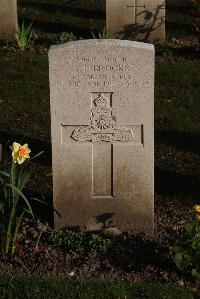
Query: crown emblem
[[102, 101], [103, 127]]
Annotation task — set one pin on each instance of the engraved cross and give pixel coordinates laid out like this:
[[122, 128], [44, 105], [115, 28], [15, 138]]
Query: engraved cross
[[133, 4], [104, 134]]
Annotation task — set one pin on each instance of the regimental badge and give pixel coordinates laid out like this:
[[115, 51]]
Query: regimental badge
[[103, 127]]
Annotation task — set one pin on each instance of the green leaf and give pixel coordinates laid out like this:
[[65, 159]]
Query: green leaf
[[196, 243], [182, 260], [197, 228], [38, 200], [93, 35], [36, 156], [189, 228], [175, 249], [1, 206], [4, 173], [23, 35], [23, 176], [22, 196], [195, 273], [16, 231]]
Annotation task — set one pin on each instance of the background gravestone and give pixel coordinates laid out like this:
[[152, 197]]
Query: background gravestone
[[102, 106], [141, 19], [8, 17]]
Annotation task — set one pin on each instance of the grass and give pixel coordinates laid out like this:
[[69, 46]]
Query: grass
[[25, 100], [177, 94], [22, 286]]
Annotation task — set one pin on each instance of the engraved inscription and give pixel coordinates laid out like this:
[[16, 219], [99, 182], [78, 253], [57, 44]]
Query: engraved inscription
[[103, 127], [107, 71]]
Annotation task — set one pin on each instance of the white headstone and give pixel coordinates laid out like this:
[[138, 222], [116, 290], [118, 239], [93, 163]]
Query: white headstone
[[140, 19], [8, 17], [102, 113]]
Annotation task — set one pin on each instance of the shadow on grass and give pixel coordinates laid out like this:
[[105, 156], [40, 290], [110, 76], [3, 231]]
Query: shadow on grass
[[180, 140], [59, 27], [56, 27], [171, 183], [130, 252], [43, 211], [68, 8]]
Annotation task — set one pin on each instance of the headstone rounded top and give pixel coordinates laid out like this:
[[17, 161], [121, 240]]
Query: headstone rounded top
[[105, 42]]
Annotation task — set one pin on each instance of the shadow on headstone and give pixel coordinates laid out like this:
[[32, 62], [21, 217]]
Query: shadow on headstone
[[142, 32], [105, 219]]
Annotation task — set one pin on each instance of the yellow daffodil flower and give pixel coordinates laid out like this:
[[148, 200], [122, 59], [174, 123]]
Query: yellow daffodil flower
[[198, 217], [20, 152], [197, 208]]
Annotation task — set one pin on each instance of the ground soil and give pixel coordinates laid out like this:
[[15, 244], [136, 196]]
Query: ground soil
[[131, 258]]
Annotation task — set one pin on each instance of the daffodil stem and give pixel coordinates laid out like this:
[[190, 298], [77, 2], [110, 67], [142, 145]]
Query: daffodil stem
[[13, 177]]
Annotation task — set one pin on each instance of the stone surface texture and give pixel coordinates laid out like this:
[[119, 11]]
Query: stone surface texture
[[102, 124], [142, 19], [8, 17]]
